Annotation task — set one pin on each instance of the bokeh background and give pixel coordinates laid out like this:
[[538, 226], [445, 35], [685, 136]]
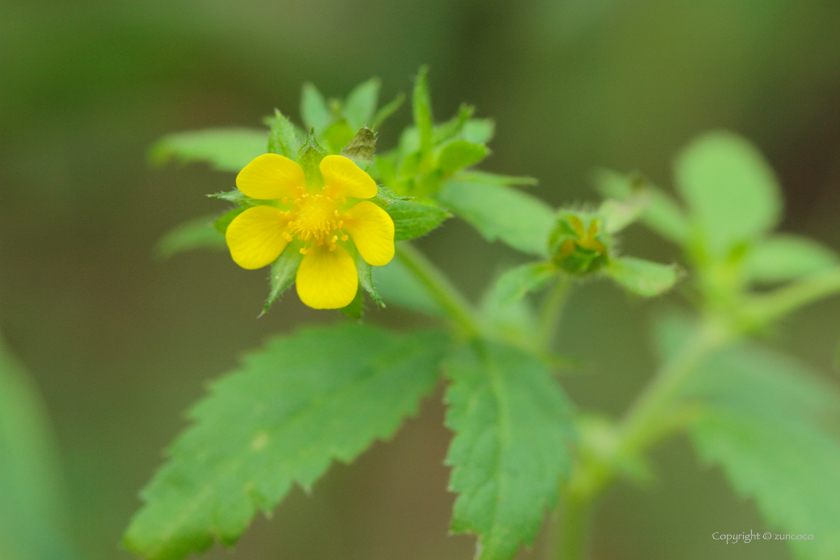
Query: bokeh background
[[120, 345]]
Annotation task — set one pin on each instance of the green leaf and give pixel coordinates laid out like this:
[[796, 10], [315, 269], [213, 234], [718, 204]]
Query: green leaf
[[31, 508], [238, 198], [478, 131], [460, 154], [512, 428], [292, 407], [313, 109], [222, 223], [495, 179], [338, 135], [360, 106], [386, 111], [730, 188], [225, 149], [662, 214], [785, 257], [399, 287], [361, 146], [414, 219], [199, 233], [282, 138], [355, 309], [283, 273], [453, 127], [762, 419], [518, 219], [422, 107], [517, 282], [644, 278]]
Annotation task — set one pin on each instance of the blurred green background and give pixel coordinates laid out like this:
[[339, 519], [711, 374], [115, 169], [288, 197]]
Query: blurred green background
[[121, 345]]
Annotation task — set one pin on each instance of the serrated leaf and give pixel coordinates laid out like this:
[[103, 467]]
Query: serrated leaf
[[644, 278], [512, 428], [31, 508], [399, 287], [360, 106], [282, 138], [414, 219], [225, 149], [422, 107], [314, 110], [283, 273], [520, 220], [199, 233], [458, 155], [361, 146], [785, 257], [517, 282], [321, 395], [732, 191]]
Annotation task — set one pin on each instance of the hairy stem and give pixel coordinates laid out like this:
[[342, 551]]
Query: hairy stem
[[441, 289]]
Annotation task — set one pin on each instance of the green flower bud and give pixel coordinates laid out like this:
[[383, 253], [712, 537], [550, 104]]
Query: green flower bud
[[579, 244]]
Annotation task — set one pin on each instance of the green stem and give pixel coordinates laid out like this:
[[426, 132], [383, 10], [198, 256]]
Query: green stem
[[574, 526], [767, 307], [441, 289], [551, 311]]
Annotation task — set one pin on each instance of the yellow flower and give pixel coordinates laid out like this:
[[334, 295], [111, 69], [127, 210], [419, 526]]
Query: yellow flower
[[324, 218]]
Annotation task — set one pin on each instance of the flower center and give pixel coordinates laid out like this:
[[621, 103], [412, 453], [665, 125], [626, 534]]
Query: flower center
[[315, 219]]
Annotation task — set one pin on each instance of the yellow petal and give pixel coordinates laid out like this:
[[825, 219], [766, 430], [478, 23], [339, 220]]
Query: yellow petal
[[327, 279], [372, 230], [271, 177], [255, 237], [342, 177]]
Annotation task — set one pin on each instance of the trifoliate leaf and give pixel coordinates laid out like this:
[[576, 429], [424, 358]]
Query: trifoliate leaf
[[785, 257], [31, 507], [225, 149], [414, 219], [387, 110], [291, 408], [283, 273], [517, 282], [282, 138], [732, 191], [644, 278], [768, 422], [512, 428], [199, 233], [421, 103], [360, 106], [399, 287], [314, 110], [361, 146], [518, 219], [458, 155]]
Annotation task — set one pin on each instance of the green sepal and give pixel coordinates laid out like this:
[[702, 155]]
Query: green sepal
[[238, 198], [518, 282], [458, 155], [223, 222], [365, 272], [283, 272], [309, 158], [356, 308], [644, 278], [281, 137], [361, 147]]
